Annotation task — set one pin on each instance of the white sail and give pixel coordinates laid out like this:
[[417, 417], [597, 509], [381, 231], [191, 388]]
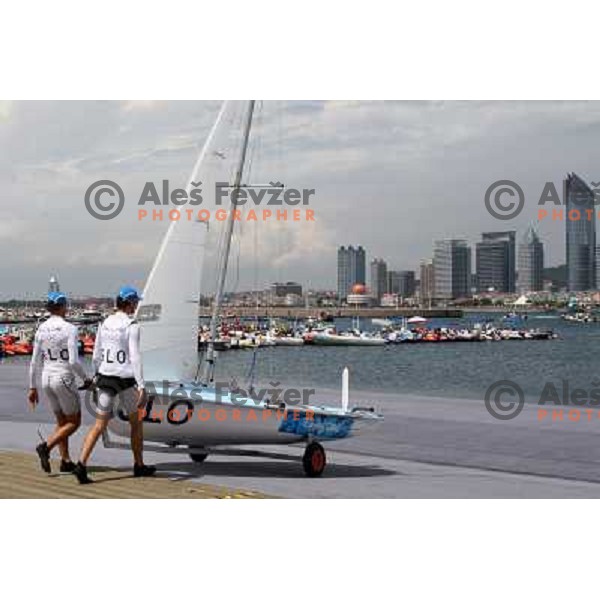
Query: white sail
[[168, 312], [169, 317]]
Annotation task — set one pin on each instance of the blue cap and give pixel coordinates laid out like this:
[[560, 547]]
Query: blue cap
[[129, 293], [56, 298]]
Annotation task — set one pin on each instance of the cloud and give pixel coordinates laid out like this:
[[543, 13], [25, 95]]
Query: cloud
[[113, 253], [392, 176], [5, 109], [11, 230]]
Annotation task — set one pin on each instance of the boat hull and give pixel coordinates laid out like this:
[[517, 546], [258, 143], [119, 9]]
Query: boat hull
[[345, 340], [182, 418]]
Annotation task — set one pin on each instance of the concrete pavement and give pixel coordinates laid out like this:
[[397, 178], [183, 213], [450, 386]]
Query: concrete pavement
[[425, 448]]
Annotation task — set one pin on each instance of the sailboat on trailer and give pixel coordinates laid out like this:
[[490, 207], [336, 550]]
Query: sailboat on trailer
[[187, 412]]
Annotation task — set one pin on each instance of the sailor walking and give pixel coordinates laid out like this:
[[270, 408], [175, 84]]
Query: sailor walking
[[120, 381], [55, 355]]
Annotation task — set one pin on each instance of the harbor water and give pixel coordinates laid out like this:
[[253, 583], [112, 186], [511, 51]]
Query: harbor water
[[440, 369], [435, 369]]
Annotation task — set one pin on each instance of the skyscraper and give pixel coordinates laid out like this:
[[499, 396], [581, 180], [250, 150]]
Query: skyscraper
[[379, 279], [496, 262], [531, 263], [351, 269], [403, 283], [581, 235], [452, 269], [427, 282], [393, 282], [406, 284]]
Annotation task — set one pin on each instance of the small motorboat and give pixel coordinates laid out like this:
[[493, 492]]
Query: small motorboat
[[348, 339]]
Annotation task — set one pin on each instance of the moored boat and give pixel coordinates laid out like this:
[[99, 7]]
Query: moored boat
[[334, 339]]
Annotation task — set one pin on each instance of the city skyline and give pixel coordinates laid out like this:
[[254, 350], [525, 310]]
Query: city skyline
[[502, 265], [352, 269], [395, 175], [384, 276]]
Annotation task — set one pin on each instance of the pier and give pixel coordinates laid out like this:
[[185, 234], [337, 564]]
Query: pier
[[284, 312]]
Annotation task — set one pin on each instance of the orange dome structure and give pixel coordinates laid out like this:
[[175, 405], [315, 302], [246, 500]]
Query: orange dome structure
[[359, 288]]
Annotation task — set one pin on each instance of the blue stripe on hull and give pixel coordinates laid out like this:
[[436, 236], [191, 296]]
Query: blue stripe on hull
[[316, 425]]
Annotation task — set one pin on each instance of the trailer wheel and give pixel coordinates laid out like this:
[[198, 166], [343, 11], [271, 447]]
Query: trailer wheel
[[198, 457], [314, 460]]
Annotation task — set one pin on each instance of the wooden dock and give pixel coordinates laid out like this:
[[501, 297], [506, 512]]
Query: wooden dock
[[21, 477]]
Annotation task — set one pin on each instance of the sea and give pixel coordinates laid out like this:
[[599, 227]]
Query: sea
[[438, 369]]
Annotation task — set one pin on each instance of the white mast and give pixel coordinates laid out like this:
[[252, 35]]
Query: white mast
[[222, 275]]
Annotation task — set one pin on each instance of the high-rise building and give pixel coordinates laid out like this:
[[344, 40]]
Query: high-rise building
[[530, 263], [402, 283], [379, 279], [427, 282], [496, 262], [581, 235], [406, 284], [351, 269], [53, 285], [452, 269], [393, 282]]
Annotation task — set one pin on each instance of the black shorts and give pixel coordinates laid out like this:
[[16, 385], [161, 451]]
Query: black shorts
[[113, 383]]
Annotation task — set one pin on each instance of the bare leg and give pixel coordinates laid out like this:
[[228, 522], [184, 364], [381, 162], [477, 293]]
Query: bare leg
[[92, 437], [63, 448], [137, 438], [66, 425], [63, 444]]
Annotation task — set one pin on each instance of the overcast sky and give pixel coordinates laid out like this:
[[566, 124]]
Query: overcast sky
[[391, 176]]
